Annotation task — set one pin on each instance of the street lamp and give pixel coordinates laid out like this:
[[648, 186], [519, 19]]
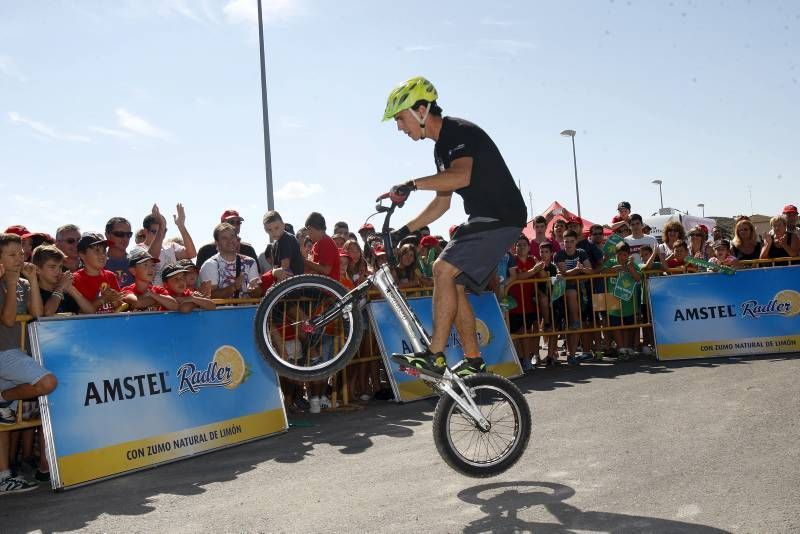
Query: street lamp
[[571, 133], [264, 111], [703, 207], [660, 196]]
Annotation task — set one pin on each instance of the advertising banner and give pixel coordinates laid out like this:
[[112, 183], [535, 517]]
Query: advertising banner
[[136, 390], [495, 343], [755, 311]]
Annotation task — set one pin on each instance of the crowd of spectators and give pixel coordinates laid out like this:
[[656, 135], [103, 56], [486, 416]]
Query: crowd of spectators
[[96, 273]]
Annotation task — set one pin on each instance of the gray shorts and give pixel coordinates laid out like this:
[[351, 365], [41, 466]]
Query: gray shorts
[[477, 254], [17, 368]]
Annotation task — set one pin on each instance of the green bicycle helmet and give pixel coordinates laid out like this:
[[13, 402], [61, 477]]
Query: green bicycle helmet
[[407, 94]]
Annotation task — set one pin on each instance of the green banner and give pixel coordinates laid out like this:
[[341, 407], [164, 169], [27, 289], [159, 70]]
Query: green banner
[[625, 286], [559, 285]]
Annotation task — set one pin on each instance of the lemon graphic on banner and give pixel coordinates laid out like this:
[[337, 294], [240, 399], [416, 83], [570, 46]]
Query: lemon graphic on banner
[[793, 298], [484, 336], [228, 356]]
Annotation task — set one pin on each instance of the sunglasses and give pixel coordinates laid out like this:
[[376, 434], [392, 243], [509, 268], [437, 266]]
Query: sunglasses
[[120, 233]]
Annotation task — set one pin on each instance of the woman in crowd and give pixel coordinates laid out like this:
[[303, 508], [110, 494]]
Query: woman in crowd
[[698, 247], [356, 266], [673, 231], [778, 243], [745, 245], [407, 272]]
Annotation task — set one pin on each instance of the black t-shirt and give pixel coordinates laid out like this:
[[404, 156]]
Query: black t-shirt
[[571, 261], [594, 252], [67, 305], [492, 192], [208, 250], [288, 247]]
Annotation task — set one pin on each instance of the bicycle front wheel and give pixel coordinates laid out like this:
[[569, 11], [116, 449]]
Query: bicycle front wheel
[[287, 338], [483, 453]]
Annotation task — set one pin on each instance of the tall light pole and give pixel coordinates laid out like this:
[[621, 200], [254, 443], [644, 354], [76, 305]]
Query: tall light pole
[[571, 133], [265, 113], [702, 207], [660, 196]]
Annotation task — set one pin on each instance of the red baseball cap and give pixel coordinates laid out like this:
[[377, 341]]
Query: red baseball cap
[[704, 228], [366, 226], [452, 230], [429, 241], [574, 220], [230, 214], [788, 208], [19, 230]]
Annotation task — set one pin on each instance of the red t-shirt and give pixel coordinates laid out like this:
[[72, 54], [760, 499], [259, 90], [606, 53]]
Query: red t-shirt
[[674, 262], [91, 286], [524, 291], [153, 289], [325, 252], [186, 293]]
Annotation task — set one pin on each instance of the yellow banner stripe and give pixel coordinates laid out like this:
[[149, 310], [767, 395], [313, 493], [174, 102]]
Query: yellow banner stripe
[[114, 459], [735, 347]]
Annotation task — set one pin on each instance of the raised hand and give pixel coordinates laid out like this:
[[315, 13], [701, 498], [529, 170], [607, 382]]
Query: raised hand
[[180, 218], [29, 270]]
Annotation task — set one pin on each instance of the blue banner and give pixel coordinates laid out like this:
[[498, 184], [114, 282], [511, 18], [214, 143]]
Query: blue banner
[[135, 390], [495, 343], [755, 311]]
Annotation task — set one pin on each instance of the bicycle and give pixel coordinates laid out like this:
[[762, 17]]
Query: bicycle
[[308, 327]]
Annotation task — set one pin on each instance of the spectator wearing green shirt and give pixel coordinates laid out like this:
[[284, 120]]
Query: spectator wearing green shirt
[[628, 276]]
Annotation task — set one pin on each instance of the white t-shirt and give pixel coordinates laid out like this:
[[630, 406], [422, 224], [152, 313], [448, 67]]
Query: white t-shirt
[[636, 244], [664, 251], [221, 272]]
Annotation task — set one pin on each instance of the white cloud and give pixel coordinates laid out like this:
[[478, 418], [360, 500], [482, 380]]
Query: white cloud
[[422, 48], [9, 67], [45, 130], [246, 11], [297, 190], [138, 125], [505, 46], [110, 132], [490, 21]]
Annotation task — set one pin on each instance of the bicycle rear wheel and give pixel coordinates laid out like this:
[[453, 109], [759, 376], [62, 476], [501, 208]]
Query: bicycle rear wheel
[[483, 453], [286, 337]]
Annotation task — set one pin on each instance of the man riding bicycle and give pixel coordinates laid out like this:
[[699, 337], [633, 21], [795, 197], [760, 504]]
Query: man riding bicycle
[[469, 164]]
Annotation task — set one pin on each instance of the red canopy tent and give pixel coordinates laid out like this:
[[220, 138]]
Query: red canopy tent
[[558, 212]]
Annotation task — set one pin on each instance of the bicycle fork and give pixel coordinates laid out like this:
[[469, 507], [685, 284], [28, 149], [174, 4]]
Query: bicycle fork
[[449, 383]]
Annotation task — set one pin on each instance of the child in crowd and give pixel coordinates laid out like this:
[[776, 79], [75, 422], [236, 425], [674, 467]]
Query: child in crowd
[[174, 276], [344, 261], [20, 376], [428, 251], [97, 284], [722, 254], [55, 285], [552, 316], [678, 257], [523, 318], [357, 269], [649, 260], [625, 312], [142, 295]]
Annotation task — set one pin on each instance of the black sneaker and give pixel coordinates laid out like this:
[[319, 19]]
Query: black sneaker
[[16, 485], [41, 476], [469, 366], [424, 361]]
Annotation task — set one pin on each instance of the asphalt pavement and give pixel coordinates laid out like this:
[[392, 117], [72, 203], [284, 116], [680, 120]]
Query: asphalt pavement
[[641, 446]]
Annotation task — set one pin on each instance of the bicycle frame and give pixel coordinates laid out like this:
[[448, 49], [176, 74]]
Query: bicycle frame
[[449, 382]]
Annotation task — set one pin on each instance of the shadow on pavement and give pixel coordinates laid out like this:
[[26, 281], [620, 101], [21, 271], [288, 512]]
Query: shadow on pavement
[[543, 379], [502, 503], [133, 494]]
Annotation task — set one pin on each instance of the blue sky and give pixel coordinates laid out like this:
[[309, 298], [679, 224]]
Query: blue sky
[[107, 107]]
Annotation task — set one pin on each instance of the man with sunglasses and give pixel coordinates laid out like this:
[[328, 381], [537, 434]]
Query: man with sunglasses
[[118, 234], [67, 237]]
